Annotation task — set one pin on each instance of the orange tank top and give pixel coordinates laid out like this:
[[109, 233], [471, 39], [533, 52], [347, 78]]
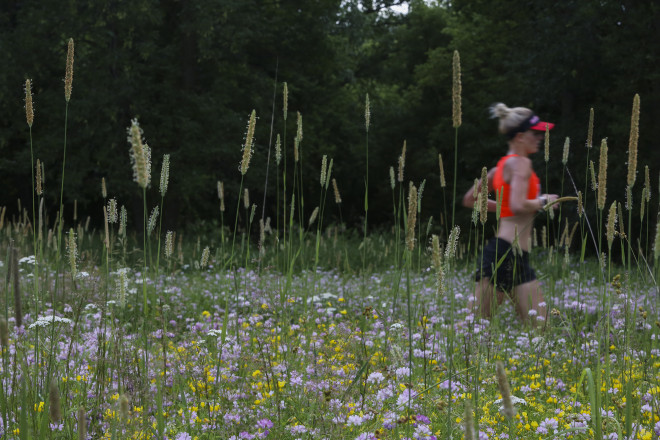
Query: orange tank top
[[500, 186]]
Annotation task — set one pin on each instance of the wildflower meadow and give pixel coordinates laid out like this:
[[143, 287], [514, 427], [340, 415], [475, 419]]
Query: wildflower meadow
[[295, 326]]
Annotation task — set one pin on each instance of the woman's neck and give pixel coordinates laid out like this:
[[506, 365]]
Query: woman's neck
[[517, 149]]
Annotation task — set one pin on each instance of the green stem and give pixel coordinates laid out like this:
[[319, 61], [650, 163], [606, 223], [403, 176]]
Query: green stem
[[453, 205]]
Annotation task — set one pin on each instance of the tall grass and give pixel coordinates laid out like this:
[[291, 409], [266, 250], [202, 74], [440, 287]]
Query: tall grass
[[192, 345]]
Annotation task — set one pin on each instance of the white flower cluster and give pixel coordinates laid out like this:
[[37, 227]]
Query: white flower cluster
[[81, 275], [214, 333], [28, 260], [44, 321], [514, 400], [322, 297]]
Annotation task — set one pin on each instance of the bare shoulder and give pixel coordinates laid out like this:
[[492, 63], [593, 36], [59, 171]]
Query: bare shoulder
[[519, 165]]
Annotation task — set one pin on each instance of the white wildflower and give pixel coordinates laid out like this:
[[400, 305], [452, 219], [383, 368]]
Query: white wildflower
[[44, 321]]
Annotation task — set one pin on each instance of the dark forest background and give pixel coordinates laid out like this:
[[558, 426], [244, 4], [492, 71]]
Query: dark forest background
[[192, 71]]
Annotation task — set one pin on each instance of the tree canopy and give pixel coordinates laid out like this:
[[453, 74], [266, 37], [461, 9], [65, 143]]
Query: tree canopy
[[191, 72]]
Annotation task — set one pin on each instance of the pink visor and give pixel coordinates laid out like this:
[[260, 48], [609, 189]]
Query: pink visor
[[536, 124]]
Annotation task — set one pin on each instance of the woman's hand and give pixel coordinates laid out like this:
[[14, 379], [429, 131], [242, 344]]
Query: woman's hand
[[548, 199]]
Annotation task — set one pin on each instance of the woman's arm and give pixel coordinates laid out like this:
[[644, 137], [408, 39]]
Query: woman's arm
[[469, 200]]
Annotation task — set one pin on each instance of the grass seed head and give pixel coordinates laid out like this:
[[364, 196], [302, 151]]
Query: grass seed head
[[452, 243], [285, 99], [483, 207], [503, 384], [164, 175], [249, 143], [392, 179], [580, 207], [68, 78], [602, 175], [329, 173], [278, 150], [456, 90], [564, 234], [82, 424], [299, 132], [443, 182], [469, 421], [262, 238], [324, 170], [40, 220], [140, 155], [246, 198], [153, 219], [647, 183], [204, 261], [336, 191], [611, 224], [632, 142], [122, 286], [315, 214], [39, 179], [367, 113], [106, 241], [412, 217], [643, 204], [436, 255], [592, 172], [420, 192], [123, 407], [476, 207], [29, 108], [544, 237], [112, 211], [104, 189], [402, 162], [221, 195], [564, 157], [4, 333], [123, 218], [73, 252], [169, 244], [54, 405]]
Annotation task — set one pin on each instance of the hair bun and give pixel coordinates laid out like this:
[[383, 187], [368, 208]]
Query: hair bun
[[499, 110]]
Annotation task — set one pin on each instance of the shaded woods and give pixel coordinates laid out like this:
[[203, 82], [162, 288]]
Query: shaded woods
[[192, 71]]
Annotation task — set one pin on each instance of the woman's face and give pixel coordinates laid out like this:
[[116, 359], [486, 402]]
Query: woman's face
[[531, 140]]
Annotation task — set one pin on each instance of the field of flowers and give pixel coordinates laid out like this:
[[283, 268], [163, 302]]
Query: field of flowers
[[326, 355], [311, 333]]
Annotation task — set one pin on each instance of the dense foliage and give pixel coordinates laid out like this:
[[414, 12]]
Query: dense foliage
[[193, 71]]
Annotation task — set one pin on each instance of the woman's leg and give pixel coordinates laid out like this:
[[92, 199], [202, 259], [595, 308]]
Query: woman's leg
[[484, 293], [529, 302]]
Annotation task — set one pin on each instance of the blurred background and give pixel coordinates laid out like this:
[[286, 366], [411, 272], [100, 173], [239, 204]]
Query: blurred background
[[192, 71]]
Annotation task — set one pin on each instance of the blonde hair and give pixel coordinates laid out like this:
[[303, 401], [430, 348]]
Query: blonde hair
[[510, 118]]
